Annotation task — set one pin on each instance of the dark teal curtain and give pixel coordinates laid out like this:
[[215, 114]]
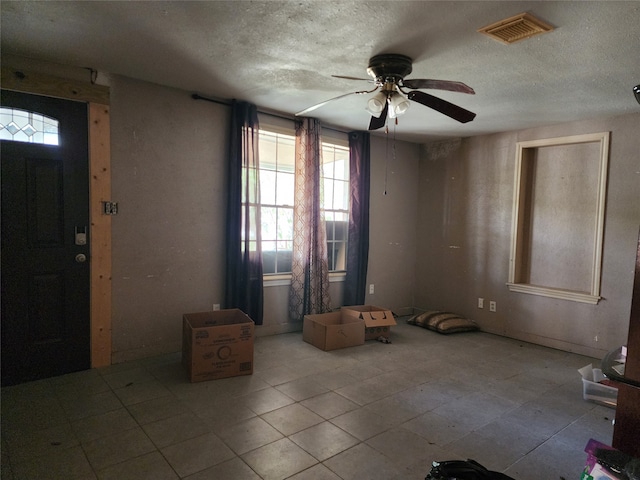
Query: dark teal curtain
[[358, 241], [244, 285]]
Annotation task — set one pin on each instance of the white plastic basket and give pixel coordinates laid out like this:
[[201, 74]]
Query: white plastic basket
[[594, 391]]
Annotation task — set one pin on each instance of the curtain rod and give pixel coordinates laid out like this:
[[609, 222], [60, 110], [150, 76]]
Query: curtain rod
[[197, 96]]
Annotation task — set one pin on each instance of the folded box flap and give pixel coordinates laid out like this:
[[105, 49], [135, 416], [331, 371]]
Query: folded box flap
[[215, 318], [378, 318], [373, 316]]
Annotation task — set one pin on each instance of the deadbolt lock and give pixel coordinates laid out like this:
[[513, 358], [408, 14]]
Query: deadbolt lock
[[80, 236]]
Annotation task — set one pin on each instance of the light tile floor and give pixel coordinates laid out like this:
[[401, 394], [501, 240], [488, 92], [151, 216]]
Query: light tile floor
[[377, 411]]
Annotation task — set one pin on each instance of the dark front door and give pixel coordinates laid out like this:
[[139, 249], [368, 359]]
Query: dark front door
[[45, 239]]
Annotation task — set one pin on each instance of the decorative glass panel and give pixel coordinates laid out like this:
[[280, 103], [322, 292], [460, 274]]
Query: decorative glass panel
[[22, 126]]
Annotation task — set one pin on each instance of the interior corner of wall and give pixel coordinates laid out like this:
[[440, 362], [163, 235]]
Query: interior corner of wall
[[440, 149]]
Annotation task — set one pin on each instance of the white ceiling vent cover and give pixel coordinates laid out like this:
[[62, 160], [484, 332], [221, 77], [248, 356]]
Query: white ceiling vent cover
[[516, 28]]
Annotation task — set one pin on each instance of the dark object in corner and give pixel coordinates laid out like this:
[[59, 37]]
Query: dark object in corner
[[443, 322], [636, 92], [461, 470]]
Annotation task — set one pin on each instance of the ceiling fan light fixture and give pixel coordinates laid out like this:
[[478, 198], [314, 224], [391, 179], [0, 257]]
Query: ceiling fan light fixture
[[376, 104], [390, 99], [398, 104]]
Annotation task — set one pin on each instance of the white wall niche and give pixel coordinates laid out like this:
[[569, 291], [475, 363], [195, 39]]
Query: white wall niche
[[558, 217]]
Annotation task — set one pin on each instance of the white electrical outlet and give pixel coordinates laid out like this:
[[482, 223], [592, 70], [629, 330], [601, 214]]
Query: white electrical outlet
[[371, 289], [216, 306], [480, 302], [492, 306]]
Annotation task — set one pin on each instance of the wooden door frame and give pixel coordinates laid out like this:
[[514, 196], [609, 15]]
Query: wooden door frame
[[97, 98]]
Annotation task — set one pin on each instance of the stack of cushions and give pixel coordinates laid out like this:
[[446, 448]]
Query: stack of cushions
[[443, 322]]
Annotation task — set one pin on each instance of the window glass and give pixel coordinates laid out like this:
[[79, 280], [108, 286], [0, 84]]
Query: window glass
[[286, 188], [268, 154], [286, 153], [277, 191], [276, 199], [267, 192], [335, 173]]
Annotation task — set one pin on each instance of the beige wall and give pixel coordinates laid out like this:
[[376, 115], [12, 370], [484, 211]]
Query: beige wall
[[440, 237], [392, 228], [168, 178], [466, 194]]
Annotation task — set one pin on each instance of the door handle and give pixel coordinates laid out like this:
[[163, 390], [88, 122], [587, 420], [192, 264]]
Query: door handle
[[81, 258]]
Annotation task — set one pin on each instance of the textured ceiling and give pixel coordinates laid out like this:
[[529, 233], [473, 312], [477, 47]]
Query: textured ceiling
[[280, 55]]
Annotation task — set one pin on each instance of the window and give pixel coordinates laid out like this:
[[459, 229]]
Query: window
[[335, 177], [23, 126], [277, 184]]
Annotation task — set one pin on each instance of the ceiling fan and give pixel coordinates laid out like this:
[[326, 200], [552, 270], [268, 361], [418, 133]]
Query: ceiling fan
[[388, 71]]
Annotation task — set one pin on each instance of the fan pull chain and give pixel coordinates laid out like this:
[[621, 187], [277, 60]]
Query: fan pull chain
[[394, 141], [386, 158], [386, 155]]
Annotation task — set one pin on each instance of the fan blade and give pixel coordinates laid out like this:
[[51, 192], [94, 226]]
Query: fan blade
[[352, 78], [442, 106], [378, 122], [322, 104], [438, 85]]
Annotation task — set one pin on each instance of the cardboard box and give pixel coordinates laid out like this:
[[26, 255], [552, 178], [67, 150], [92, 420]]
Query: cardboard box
[[595, 391], [217, 344], [330, 331], [378, 321]]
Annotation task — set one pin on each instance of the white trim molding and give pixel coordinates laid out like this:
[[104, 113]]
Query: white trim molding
[[523, 233]]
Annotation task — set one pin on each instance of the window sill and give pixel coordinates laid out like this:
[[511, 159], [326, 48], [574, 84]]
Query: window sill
[[581, 297], [285, 279]]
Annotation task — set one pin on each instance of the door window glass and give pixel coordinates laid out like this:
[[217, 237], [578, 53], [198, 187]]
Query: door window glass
[[22, 126]]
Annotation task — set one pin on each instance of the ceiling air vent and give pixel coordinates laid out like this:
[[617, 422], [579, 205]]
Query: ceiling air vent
[[516, 28]]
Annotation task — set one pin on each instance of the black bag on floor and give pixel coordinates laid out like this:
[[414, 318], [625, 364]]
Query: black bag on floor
[[461, 470]]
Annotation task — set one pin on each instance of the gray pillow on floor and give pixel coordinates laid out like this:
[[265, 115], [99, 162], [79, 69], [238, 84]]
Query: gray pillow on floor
[[443, 322]]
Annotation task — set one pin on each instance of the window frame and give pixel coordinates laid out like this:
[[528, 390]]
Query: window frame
[[274, 125], [276, 205], [523, 206], [332, 242]]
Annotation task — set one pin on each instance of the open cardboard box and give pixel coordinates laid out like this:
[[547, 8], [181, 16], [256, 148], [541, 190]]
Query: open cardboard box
[[378, 321], [330, 331], [217, 344]]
